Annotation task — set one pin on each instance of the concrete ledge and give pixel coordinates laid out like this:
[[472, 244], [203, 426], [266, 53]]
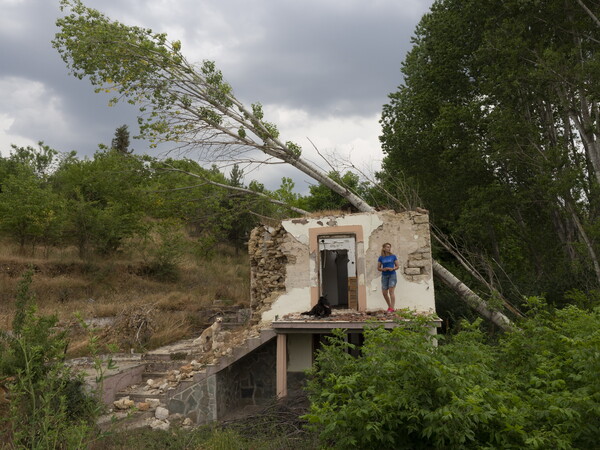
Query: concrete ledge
[[126, 374], [316, 326]]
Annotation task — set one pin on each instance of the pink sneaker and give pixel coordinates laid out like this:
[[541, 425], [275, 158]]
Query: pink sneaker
[[390, 310]]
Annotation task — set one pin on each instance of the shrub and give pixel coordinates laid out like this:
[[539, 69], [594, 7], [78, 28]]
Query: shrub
[[48, 405], [536, 388]]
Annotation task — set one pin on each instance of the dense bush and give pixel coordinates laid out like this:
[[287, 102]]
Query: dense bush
[[49, 407], [538, 387]]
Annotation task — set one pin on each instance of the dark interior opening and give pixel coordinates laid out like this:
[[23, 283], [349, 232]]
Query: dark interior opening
[[334, 277]]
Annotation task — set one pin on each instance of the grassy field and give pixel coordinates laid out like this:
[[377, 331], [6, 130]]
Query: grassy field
[[123, 290]]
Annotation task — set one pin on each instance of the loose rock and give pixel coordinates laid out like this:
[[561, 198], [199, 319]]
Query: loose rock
[[161, 413], [123, 403]]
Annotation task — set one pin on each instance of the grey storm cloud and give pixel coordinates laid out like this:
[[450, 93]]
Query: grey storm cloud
[[327, 58]]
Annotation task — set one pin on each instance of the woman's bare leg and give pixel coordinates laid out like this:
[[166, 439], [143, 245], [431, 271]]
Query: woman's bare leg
[[386, 296], [392, 300]]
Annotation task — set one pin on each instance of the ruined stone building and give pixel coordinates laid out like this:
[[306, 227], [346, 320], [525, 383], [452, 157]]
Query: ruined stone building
[[292, 265], [299, 260]]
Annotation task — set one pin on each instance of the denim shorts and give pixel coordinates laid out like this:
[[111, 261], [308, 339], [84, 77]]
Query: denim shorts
[[388, 281]]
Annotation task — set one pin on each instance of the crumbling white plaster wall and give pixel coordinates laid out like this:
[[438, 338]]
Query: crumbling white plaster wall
[[409, 235], [285, 271]]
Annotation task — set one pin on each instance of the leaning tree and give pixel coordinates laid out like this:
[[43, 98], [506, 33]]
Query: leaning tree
[[193, 106]]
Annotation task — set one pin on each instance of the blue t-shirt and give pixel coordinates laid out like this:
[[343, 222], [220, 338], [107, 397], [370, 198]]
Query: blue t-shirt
[[388, 262]]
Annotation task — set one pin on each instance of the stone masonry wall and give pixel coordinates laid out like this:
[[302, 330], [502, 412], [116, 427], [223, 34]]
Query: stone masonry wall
[[267, 267], [418, 265], [249, 381], [198, 401]]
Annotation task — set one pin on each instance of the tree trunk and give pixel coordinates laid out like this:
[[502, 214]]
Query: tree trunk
[[467, 295], [470, 297]]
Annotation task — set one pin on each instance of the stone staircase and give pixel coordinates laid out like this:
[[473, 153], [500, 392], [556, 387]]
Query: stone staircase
[[175, 383]]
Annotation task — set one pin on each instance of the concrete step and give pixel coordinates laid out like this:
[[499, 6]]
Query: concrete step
[[164, 366], [139, 392], [232, 325], [157, 366], [154, 376], [125, 420], [141, 396]]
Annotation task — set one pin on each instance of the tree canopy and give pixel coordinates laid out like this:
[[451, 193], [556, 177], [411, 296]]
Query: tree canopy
[[496, 127]]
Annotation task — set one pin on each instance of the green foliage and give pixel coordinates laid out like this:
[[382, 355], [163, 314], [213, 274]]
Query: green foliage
[[322, 198], [285, 193], [178, 101], [41, 160], [120, 142], [30, 211], [165, 251], [488, 127], [234, 436], [48, 407], [535, 388], [98, 204], [105, 200], [294, 148], [212, 213]]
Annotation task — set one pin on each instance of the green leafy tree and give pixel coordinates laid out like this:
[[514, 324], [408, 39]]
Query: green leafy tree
[[183, 190], [493, 127], [120, 142], [105, 198], [322, 198], [30, 211], [42, 161]]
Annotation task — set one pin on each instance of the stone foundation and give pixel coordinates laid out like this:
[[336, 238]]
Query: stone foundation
[[198, 401], [249, 381]]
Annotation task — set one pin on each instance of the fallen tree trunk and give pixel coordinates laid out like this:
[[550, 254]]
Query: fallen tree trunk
[[471, 298]]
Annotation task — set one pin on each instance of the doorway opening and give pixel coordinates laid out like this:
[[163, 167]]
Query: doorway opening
[[337, 270]]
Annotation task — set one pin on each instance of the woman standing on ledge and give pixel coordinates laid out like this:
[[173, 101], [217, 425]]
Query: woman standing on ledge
[[387, 264]]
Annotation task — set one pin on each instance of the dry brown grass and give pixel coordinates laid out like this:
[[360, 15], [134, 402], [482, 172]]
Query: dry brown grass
[[65, 285]]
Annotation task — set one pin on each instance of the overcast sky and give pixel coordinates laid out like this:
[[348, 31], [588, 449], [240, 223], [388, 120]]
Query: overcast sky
[[321, 68]]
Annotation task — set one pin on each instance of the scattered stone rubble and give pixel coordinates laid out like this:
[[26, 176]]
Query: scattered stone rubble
[[162, 419], [348, 315]]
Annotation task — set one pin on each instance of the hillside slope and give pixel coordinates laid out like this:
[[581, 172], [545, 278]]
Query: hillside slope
[[133, 306]]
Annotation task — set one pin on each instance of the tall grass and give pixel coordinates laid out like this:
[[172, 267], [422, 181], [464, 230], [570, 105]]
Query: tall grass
[[108, 287]]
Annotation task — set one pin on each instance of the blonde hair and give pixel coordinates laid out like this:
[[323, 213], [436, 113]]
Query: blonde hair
[[383, 252]]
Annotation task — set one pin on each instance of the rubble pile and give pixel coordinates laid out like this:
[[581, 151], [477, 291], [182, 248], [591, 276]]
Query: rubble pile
[[160, 419], [153, 388], [350, 315]]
